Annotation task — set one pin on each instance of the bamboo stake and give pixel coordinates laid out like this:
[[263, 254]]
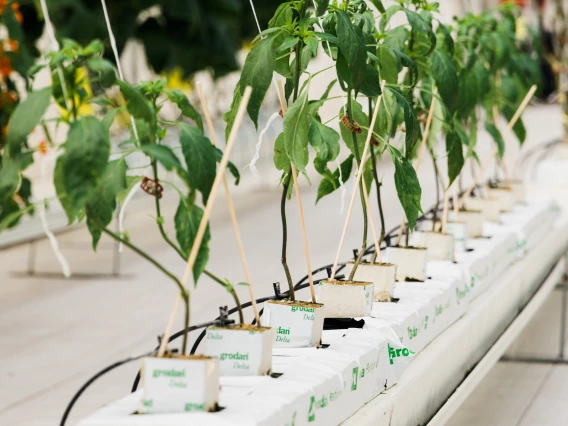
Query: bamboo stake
[[445, 211], [508, 129], [420, 153], [371, 221], [230, 205], [206, 213], [456, 203], [357, 182], [299, 202]]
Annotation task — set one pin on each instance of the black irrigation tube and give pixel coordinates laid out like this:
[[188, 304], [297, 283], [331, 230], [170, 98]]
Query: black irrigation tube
[[300, 285]]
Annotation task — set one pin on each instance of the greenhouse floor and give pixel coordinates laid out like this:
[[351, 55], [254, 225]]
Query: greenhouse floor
[[55, 333]]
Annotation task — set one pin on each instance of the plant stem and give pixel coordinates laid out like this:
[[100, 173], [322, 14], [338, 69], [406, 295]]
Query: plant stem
[[436, 174], [361, 189], [378, 183], [297, 74], [183, 255], [230, 290], [285, 235], [183, 291]]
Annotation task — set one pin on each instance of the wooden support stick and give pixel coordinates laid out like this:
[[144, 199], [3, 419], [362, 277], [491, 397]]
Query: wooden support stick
[[230, 205], [420, 153], [445, 211], [371, 220], [206, 213], [456, 203], [508, 129], [299, 201], [357, 183]]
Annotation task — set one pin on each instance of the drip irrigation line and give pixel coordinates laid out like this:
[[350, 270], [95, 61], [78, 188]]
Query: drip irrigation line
[[93, 379], [393, 233]]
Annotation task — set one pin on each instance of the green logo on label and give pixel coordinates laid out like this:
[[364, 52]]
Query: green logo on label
[[301, 309], [236, 356], [315, 405], [194, 407], [147, 402], [354, 377], [168, 373], [283, 330], [396, 353]]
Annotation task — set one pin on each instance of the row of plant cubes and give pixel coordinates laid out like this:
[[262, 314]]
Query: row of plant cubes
[[416, 78], [328, 385]]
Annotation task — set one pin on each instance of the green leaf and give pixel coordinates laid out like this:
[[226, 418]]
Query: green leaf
[[232, 168], [447, 38], [136, 104], [82, 166], [139, 107], [9, 179], [454, 153], [296, 128], [10, 214], [407, 186], [178, 97], [163, 154], [406, 62], [25, 117], [105, 69], [497, 138], [379, 5], [280, 158], [110, 116], [288, 43], [321, 7], [102, 205], [200, 157], [371, 87], [421, 26], [519, 128], [331, 183], [324, 139], [257, 73], [410, 120], [468, 92], [389, 65], [187, 219], [352, 47], [446, 78]]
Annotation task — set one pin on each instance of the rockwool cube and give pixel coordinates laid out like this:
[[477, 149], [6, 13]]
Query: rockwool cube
[[180, 384], [243, 350], [296, 324]]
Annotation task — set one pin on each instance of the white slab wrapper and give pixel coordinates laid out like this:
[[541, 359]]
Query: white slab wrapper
[[382, 275], [410, 262], [489, 207], [505, 196], [177, 385], [345, 299], [440, 246], [241, 351], [296, 325]]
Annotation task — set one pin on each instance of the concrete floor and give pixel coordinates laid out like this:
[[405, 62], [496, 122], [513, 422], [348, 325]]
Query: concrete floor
[[55, 333]]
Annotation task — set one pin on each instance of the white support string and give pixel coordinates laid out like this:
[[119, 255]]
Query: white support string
[[55, 46], [117, 59], [256, 157], [50, 236], [123, 211], [341, 186]]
